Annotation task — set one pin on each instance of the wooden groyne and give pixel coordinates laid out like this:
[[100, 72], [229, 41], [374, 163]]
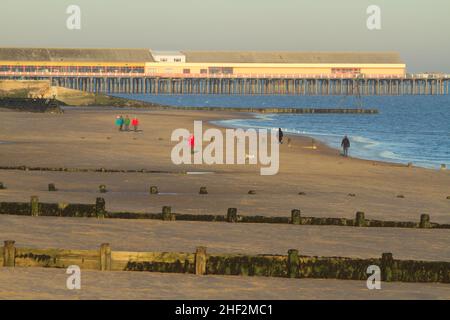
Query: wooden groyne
[[98, 210], [292, 265]]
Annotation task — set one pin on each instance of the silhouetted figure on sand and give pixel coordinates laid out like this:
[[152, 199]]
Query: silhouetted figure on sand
[[345, 144], [280, 135]]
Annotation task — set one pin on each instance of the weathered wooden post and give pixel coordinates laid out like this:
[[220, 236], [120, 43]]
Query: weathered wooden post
[[154, 190], [443, 167], [410, 164], [9, 253], [387, 266], [34, 204], [232, 215], [425, 221], [102, 188], [167, 214], [203, 190], [289, 142], [293, 263], [2, 186], [296, 216], [360, 220], [61, 207], [51, 187], [200, 261], [105, 257], [100, 207]]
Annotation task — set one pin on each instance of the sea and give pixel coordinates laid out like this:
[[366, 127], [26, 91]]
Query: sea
[[407, 128]]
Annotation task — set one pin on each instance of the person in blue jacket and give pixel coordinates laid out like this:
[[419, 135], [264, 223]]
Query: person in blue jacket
[[119, 122]]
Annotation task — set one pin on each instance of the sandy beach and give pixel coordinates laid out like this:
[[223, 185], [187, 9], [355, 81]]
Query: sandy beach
[[87, 138], [51, 284]]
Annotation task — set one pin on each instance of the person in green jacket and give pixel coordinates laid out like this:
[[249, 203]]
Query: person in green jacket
[[127, 123]]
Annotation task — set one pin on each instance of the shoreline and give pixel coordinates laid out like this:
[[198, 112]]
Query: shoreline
[[372, 139], [322, 145], [242, 115]]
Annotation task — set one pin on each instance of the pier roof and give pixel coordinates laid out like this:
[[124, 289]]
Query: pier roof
[[60, 54], [145, 55], [293, 57]]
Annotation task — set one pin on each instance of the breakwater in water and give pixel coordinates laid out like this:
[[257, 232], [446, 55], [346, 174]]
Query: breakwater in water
[[31, 104], [278, 110]]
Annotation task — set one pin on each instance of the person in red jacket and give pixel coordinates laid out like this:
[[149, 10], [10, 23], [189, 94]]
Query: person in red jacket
[[191, 142], [135, 123]]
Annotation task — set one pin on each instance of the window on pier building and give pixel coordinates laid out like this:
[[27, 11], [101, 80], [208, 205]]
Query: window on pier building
[[186, 71], [227, 70], [346, 70], [220, 70]]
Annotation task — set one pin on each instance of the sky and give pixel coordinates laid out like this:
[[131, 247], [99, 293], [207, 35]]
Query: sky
[[418, 29]]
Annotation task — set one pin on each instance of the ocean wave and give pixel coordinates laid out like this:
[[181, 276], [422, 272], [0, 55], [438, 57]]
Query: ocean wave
[[386, 154], [265, 117]]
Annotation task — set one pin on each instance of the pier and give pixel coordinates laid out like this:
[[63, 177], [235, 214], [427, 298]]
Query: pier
[[245, 85], [146, 71]]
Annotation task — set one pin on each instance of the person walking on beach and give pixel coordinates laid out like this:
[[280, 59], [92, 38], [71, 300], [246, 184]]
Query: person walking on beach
[[345, 144], [191, 142], [280, 135], [135, 123], [127, 123], [119, 122]]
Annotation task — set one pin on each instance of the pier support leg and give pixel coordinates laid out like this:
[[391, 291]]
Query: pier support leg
[[167, 214], [105, 257], [100, 207], [360, 220], [200, 261], [34, 203], [387, 267], [232, 215], [293, 263], [296, 217], [424, 221], [9, 253]]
